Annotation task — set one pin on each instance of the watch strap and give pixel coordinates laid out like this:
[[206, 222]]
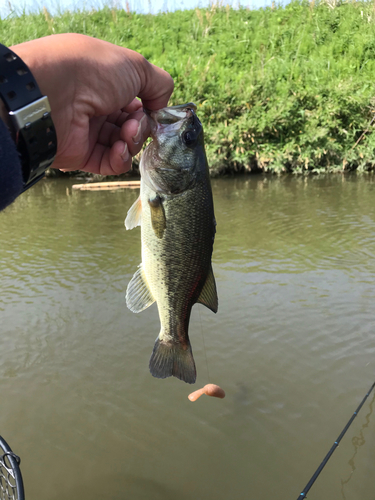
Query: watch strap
[[30, 115]]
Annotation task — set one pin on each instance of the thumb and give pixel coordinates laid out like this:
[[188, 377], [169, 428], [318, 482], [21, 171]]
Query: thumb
[[157, 86]]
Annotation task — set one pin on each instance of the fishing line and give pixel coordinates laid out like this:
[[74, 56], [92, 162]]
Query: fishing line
[[204, 347], [334, 446]]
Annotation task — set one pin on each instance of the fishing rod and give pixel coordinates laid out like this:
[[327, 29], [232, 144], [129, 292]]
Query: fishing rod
[[334, 446]]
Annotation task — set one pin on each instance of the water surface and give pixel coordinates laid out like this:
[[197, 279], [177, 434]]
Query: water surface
[[292, 344]]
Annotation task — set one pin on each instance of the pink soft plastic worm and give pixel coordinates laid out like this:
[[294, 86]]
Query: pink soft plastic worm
[[210, 390]]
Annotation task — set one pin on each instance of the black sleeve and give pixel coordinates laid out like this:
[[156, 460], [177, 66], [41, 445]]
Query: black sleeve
[[11, 183]]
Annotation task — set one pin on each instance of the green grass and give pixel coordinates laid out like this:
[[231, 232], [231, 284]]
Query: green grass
[[278, 89]]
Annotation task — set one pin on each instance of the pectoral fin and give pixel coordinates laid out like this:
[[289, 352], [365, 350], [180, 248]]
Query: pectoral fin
[[138, 294], [208, 296], [157, 216], [134, 216]]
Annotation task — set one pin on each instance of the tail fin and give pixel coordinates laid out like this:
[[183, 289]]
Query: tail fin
[[173, 359]]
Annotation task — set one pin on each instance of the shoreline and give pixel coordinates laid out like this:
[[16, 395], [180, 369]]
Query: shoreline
[[280, 89]]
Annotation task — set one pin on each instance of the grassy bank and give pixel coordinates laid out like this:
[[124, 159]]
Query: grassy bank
[[279, 89]]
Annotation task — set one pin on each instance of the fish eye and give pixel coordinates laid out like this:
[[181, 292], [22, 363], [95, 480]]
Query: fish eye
[[189, 137]]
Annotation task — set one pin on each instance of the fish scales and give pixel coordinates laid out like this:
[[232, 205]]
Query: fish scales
[[177, 230], [177, 264]]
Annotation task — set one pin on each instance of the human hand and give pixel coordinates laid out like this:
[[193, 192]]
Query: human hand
[[92, 87]]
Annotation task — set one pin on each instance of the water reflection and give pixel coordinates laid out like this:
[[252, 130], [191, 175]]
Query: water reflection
[[292, 344]]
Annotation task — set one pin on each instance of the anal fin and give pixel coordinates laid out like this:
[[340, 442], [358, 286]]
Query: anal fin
[[138, 293]]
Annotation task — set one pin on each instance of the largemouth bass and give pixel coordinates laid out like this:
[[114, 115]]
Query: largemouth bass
[[176, 214]]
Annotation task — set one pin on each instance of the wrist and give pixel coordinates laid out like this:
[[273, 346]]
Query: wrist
[[26, 113], [4, 115]]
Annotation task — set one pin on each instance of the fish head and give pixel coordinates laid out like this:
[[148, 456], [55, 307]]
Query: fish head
[[175, 160]]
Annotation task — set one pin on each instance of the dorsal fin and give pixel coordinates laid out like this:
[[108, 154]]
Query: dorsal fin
[[208, 296], [134, 216], [138, 294]]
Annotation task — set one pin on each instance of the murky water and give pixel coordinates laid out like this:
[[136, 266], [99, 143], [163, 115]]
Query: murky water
[[293, 346]]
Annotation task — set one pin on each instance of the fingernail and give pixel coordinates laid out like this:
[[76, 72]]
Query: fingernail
[[125, 153], [138, 136]]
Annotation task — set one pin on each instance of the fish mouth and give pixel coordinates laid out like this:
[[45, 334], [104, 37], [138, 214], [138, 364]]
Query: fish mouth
[[170, 118]]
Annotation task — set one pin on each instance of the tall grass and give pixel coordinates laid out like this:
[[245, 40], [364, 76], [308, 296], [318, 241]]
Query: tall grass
[[282, 89]]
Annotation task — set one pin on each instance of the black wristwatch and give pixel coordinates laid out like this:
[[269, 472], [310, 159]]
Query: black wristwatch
[[29, 113]]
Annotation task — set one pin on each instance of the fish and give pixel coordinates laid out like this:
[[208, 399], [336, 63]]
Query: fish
[[176, 213]]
